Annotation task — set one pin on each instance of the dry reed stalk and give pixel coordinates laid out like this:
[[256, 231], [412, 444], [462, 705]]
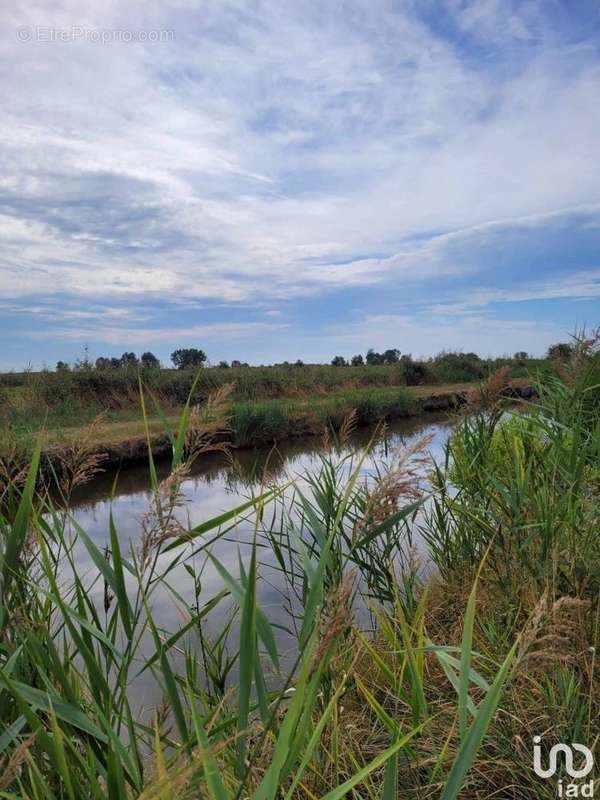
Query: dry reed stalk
[[403, 482], [14, 462], [80, 460], [160, 523], [488, 394], [564, 638], [347, 427], [337, 617], [11, 767], [209, 427]]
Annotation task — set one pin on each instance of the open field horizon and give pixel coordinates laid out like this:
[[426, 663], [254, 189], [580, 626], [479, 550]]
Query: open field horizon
[[267, 403]]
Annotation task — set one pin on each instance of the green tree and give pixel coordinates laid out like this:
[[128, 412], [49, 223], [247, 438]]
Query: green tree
[[103, 363], [560, 351], [149, 361], [415, 372], [357, 361], [223, 365], [391, 356], [129, 360], [339, 361], [373, 358], [62, 366], [187, 357]]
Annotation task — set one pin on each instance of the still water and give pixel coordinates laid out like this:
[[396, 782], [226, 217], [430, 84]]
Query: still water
[[216, 485]]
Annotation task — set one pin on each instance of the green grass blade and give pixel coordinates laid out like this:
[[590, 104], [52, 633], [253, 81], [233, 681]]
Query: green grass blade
[[263, 625], [44, 701], [247, 656], [17, 532], [221, 519], [376, 763], [184, 421], [314, 740], [472, 740], [376, 706], [119, 578], [390, 783], [465, 663], [152, 465]]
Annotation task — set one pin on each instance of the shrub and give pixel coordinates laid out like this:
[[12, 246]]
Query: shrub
[[458, 367]]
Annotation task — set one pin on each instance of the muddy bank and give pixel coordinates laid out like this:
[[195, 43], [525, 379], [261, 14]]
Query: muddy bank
[[134, 451]]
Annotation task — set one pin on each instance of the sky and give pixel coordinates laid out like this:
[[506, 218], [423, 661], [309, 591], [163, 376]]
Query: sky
[[279, 180]]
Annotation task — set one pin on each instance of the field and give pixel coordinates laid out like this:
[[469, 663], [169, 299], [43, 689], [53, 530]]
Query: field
[[437, 692], [267, 403]]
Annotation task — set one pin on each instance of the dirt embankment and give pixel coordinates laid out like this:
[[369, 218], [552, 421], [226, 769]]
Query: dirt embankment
[[134, 450]]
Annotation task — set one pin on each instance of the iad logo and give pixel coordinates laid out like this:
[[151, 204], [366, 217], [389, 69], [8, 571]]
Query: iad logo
[[570, 789]]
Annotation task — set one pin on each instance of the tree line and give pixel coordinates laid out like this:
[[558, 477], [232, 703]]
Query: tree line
[[183, 358], [559, 351], [193, 357]]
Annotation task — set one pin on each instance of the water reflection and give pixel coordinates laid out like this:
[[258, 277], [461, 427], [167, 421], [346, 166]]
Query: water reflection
[[214, 475], [214, 486]]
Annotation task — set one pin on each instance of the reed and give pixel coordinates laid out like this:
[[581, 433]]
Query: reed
[[397, 684], [58, 399]]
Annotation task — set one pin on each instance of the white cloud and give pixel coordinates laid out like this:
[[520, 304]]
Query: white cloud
[[275, 150], [114, 335], [584, 285], [423, 337]]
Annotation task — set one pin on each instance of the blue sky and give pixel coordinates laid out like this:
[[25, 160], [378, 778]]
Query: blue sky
[[281, 180]]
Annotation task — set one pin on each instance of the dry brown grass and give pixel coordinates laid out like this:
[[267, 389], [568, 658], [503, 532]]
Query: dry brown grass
[[80, 460], [10, 767], [209, 428], [131, 426], [160, 522]]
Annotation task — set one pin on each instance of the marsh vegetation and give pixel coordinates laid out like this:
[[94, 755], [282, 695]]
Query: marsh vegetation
[[268, 404], [376, 678]]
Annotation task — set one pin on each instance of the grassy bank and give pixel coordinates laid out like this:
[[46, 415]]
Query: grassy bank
[[73, 397], [438, 695], [249, 423], [101, 406]]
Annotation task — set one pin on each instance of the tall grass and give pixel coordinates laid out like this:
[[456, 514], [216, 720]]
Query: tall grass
[[253, 423], [522, 484], [266, 421], [65, 396], [396, 685]]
